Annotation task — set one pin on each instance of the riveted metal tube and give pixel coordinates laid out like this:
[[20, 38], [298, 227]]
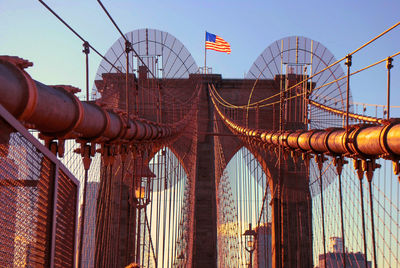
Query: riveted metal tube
[[148, 131], [94, 122], [114, 127], [283, 139], [393, 139], [56, 112], [335, 142], [304, 141], [159, 131], [317, 141], [292, 140], [263, 136], [275, 138], [269, 136], [18, 90], [141, 130], [368, 141], [130, 132], [154, 131]]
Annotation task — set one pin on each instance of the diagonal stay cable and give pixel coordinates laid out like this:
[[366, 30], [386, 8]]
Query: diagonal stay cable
[[123, 36], [76, 34]]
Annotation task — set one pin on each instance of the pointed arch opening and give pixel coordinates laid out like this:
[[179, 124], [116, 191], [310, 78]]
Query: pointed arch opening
[[243, 198]]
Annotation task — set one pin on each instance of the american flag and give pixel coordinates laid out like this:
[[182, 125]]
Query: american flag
[[214, 42]]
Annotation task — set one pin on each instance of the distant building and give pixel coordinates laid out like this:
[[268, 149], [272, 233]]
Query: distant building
[[262, 253], [336, 244], [334, 258]]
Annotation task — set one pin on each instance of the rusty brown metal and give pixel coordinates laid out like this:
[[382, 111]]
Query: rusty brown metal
[[58, 113], [364, 141]]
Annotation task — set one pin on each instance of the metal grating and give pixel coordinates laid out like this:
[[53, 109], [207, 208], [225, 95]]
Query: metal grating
[[66, 218], [35, 229]]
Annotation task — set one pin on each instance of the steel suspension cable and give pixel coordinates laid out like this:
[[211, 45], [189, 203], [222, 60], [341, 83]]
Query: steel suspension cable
[[350, 54], [315, 74], [342, 218], [76, 34], [123, 36], [322, 209]]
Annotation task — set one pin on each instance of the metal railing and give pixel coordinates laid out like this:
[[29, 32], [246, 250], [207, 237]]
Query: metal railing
[[38, 201]]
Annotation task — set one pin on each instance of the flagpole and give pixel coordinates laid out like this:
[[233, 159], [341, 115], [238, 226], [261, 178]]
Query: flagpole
[[205, 53]]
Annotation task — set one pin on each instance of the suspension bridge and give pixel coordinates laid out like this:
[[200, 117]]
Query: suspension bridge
[[166, 164]]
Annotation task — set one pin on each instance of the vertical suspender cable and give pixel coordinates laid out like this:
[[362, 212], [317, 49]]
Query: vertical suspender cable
[[348, 64], [388, 67], [159, 172], [342, 218], [128, 47], [85, 50], [322, 209], [151, 215], [82, 220], [165, 206], [173, 175], [372, 223], [360, 173]]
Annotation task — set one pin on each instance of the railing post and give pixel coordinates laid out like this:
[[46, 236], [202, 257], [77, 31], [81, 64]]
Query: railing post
[[54, 219]]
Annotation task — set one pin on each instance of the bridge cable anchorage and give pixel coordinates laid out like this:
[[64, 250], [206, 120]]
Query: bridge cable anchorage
[[357, 164], [76, 34]]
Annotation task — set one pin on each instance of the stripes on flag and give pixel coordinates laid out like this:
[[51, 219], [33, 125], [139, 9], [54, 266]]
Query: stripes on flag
[[214, 42]]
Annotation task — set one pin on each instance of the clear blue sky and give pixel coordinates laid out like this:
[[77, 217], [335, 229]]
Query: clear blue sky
[[28, 30]]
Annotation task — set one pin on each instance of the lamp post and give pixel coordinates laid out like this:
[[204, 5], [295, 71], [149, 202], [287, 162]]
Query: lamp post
[[142, 183], [250, 237], [181, 259]]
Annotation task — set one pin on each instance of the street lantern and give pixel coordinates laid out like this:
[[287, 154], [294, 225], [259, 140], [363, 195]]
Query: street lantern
[[142, 183], [250, 240], [181, 260]]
